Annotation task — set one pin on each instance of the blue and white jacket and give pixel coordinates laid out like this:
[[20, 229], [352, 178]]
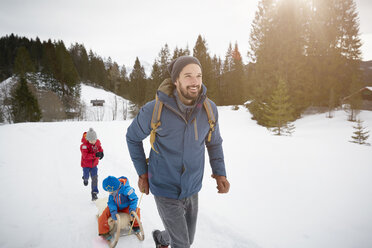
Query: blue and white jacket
[[177, 170], [124, 197]]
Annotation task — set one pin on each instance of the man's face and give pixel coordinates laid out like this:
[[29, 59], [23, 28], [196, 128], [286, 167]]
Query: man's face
[[93, 142], [189, 83]]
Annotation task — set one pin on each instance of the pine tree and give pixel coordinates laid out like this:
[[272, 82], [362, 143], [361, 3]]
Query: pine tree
[[360, 134], [97, 71], [180, 52], [280, 111], [225, 86], [66, 72], [228, 63], [25, 107], [277, 44], [238, 76], [80, 58], [163, 62], [23, 62], [200, 52], [36, 53], [48, 62], [154, 82], [123, 73], [333, 48], [156, 72], [138, 83], [217, 78], [233, 77]]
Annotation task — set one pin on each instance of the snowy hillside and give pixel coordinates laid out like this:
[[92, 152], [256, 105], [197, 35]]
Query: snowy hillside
[[114, 107], [311, 190]]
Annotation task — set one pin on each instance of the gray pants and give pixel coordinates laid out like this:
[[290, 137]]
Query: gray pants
[[179, 219]]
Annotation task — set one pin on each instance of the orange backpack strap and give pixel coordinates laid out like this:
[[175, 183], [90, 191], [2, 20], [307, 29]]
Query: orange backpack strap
[[155, 120], [211, 120]]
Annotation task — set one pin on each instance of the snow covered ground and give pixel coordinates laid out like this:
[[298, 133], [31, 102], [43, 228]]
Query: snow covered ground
[[311, 190]]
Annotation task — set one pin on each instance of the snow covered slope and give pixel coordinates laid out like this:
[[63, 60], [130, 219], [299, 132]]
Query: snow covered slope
[[310, 190], [113, 108]]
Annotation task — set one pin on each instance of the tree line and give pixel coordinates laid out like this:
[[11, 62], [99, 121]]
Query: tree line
[[302, 53], [312, 46]]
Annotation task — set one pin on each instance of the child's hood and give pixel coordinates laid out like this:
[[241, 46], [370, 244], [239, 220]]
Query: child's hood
[[124, 180], [84, 139]]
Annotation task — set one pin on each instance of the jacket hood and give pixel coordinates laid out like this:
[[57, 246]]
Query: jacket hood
[[124, 180], [167, 87], [83, 139]]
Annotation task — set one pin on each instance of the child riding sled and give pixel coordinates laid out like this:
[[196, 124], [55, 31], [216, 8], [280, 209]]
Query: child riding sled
[[122, 199]]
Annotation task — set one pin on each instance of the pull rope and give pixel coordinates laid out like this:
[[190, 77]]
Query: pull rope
[[130, 230]]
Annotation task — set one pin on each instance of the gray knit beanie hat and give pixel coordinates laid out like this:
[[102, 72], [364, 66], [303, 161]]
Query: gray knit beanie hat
[[176, 66], [91, 135]]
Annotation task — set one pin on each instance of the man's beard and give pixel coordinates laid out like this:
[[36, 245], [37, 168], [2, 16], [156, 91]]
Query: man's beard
[[188, 96]]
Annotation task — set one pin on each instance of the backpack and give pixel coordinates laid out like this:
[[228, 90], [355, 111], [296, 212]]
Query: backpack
[[156, 113]]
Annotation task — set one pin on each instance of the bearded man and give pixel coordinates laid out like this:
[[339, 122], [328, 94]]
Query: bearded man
[[175, 168]]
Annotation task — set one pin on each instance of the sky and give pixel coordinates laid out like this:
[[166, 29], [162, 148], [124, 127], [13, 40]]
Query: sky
[[124, 30]]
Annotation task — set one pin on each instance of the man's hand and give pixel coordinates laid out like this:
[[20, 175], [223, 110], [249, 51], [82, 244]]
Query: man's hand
[[143, 183], [223, 185]]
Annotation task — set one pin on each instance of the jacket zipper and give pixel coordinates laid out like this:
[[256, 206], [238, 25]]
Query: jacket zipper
[[183, 118], [93, 158], [196, 129]]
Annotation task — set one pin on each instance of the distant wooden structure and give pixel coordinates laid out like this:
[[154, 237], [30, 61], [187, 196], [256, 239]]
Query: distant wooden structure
[[366, 95], [97, 102]]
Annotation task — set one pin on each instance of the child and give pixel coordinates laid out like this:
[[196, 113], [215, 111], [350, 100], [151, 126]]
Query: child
[[91, 153], [122, 199]]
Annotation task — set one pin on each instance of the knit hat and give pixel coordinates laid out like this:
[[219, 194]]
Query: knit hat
[[91, 135], [111, 184], [176, 66]]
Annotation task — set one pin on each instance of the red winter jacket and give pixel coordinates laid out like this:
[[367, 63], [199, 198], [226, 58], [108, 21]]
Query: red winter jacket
[[88, 152]]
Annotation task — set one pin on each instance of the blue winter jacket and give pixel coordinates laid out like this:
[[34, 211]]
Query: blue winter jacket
[[177, 170], [124, 197]]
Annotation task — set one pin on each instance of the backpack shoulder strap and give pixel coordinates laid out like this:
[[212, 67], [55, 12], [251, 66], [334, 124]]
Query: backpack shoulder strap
[[211, 119], [155, 120]]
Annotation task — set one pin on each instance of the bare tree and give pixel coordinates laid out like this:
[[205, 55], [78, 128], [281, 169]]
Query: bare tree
[[331, 104], [5, 101], [99, 113], [114, 107], [125, 109], [82, 111]]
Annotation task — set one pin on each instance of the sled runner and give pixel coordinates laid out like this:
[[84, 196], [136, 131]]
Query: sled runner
[[123, 226]]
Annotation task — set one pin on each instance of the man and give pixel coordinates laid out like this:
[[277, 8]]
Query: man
[[175, 168]]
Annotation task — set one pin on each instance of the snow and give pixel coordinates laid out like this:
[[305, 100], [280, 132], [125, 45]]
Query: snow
[[312, 189]]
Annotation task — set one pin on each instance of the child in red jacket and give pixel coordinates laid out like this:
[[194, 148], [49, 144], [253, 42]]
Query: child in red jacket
[[91, 153]]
